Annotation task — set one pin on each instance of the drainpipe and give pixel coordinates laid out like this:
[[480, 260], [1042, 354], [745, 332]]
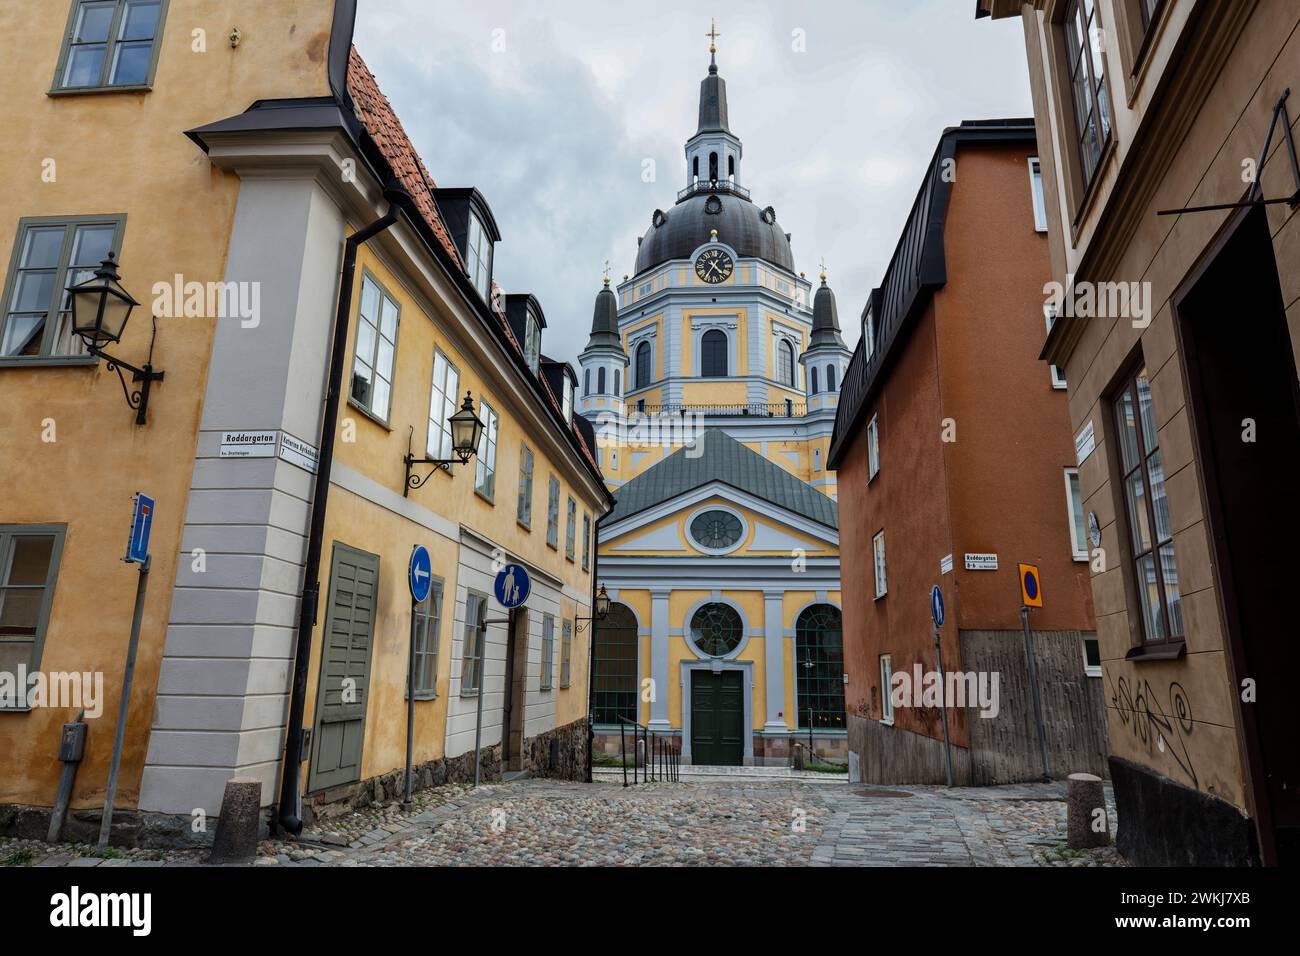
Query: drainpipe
[[290, 816], [591, 645]]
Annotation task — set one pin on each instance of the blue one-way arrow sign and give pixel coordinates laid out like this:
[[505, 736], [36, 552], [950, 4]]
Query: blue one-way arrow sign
[[420, 573]]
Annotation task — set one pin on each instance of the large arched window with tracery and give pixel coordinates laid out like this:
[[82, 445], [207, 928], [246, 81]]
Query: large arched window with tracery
[[819, 668], [614, 674]]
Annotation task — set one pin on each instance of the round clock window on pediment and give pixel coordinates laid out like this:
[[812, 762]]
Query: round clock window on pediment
[[716, 530], [716, 629]]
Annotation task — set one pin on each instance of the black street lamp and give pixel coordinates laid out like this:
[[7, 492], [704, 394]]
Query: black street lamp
[[601, 611], [466, 430], [100, 310]]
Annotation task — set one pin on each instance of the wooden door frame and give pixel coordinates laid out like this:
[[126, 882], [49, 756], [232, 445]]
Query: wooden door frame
[[1247, 730]]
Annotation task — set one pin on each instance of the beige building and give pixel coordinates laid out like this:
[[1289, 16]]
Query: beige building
[[1171, 184]]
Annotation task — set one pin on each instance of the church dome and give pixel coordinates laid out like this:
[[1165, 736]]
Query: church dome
[[751, 231]]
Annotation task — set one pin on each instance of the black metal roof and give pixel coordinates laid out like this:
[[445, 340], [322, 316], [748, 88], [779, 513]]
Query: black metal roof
[[917, 269], [751, 231], [604, 320], [724, 459], [826, 318], [713, 103]]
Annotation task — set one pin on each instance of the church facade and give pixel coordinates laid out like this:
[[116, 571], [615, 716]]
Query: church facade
[[712, 378]]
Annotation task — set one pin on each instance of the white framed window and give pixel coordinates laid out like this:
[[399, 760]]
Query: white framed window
[[427, 634], [376, 350], [524, 510], [470, 665], [566, 403], [570, 529], [532, 342], [442, 405], [485, 468], [878, 555], [1091, 657], [566, 654], [548, 651], [873, 447], [1074, 499], [586, 542], [868, 335], [553, 513], [1049, 316], [1036, 191], [886, 685], [478, 258]]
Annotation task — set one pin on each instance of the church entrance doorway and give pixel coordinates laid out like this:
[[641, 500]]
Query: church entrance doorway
[[717, 718]]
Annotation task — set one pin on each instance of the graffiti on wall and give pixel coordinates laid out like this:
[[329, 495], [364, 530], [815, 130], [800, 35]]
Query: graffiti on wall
[[1164, 725]]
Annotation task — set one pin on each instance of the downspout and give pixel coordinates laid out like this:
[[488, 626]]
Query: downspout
[[591, 646], [290, 816]]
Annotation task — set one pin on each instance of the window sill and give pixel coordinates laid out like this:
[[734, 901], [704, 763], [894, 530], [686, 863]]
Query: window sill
[[1092, 189], [526, 527], [881, 597], [485, 496], [48, 361], [888, 722], [369, 414], [469, 693], [94, 90], [1081, 558], [1092, 672], [1164, 651], [16, 710], [422, 695]]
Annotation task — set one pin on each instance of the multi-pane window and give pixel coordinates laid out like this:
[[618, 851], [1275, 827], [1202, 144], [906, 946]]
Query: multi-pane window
[[1147, 507], [524, 512], [878, 559], [873, 447], [570, 529], [813, 372], [442, 405], [566, 653], [478, 257], [1074, 498], [1087, 83], [553, 512], [785, 363], [110, 43], [470, 665], [566, 406], [586, 542], [49, 256], [713, 354], [886, 686], [1036, 192], [372, 366], [548, 650], [427, 633], [1049, 315], [819, 666], [29, 564], [485, 467], [614, 681], [532, 341], [643, 361]]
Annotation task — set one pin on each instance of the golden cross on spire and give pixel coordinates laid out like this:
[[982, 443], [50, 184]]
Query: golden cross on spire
[[606, 272], [823, 268], [713, 35]]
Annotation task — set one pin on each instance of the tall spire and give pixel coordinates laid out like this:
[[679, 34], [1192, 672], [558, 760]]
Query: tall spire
[[713, 91], [826, 317]]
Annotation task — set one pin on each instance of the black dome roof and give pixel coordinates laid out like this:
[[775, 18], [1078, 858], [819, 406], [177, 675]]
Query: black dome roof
[[740, 224]]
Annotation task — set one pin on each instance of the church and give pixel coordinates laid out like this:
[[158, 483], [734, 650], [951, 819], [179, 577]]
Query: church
[[721, 555]]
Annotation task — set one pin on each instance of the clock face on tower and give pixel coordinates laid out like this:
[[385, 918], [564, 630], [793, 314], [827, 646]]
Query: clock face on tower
[[714, 266]]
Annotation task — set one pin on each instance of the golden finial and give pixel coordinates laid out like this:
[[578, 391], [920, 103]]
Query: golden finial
[[713, 34]]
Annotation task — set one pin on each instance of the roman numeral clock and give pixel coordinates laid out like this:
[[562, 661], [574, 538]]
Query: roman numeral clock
[[714, 266]]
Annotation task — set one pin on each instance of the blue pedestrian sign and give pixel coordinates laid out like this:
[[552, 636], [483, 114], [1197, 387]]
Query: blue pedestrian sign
[[512, 585], [137, 548], [420, 574], [936, 605]]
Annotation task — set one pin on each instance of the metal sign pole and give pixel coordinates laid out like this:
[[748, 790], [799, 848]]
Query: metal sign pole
[[410, 710], [478, 715], [943, 707], [1033, 685], [119, 734]]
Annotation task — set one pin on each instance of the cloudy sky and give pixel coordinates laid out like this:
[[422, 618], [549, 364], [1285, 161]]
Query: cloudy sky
[[553, 109]]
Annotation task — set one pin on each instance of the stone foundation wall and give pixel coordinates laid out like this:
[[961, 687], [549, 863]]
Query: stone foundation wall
[[560, 753]]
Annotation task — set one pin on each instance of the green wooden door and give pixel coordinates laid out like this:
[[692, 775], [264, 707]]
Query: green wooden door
[[343, 688], [717, 718]]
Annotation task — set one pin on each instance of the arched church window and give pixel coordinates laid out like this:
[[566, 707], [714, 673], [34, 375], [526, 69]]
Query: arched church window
[[713, 167], [586, 381], [695, 168], [600, 381], [716, 629], [617, 377], [813, 370], [643, 365], [713, 354], [830, 378], [731, 167], [819, 667], [614, 674], [785, 363]]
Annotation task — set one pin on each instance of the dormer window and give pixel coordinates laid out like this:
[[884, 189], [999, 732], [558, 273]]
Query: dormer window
[[567, 401], [532, 341], [478, 258]]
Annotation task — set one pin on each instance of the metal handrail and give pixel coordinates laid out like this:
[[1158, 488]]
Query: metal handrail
[[756, 410], [663, 758], [713, 186]]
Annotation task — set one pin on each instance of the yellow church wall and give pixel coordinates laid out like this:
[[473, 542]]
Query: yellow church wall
[[714, 392], [680, 520]]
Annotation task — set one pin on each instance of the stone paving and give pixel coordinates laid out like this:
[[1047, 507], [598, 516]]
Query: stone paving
[[740, 822]]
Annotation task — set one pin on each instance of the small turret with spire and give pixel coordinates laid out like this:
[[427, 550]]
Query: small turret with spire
[[827, 356]]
